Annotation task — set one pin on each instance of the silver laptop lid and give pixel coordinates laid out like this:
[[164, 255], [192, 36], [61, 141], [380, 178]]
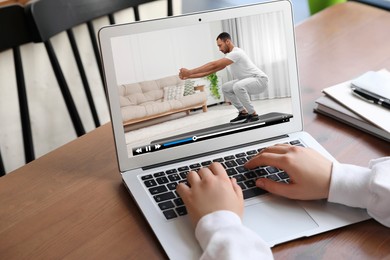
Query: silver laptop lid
[[148, 108]]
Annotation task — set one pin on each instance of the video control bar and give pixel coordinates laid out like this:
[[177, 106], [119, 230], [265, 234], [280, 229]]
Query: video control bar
[[205, 136]]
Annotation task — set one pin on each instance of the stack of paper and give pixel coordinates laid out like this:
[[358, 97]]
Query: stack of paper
[[340, 103]]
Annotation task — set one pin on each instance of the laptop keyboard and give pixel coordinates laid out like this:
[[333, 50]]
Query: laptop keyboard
[[162, 185]]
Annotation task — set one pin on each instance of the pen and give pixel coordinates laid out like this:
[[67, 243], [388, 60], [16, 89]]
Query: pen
[[370, 98]]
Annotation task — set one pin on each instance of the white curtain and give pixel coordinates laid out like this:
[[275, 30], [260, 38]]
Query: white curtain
[[262, 37]]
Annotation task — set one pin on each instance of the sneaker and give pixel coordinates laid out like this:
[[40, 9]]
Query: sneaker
[[240, 118], [251, 118]]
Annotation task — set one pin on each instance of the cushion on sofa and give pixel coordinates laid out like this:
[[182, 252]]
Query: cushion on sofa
[[189, 87], [124, 101], [130, 89], [146, 109], [191, 100], [173, 92]]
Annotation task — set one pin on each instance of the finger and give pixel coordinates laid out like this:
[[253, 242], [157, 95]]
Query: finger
[[205, 173], [278, 188], [237, 189], [193, 177], [263, 159], [183, 190], [287, 145], [278, 149], [218, 169]]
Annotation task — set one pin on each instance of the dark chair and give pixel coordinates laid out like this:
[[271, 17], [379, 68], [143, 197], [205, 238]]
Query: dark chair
[[51, 17], [14, 33]]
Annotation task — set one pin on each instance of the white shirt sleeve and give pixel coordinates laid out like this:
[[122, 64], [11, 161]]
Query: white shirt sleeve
[[363, 187], [222, 235]]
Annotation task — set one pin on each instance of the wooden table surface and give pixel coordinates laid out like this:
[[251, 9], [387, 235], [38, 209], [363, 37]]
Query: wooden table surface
[[334, 46], [8, 2], [71, 202]]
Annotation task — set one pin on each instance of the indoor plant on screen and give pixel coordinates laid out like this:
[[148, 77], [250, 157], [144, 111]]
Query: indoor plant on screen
[[214, 88]]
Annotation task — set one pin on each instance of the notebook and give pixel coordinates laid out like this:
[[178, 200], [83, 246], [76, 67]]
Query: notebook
[[164, 126]]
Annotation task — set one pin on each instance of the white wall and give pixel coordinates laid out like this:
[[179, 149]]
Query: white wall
[[155, 55]]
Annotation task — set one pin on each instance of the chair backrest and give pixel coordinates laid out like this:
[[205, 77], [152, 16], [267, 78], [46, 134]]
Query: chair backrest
[[13, 27], [52, 17], [48, 18], [14, 32]]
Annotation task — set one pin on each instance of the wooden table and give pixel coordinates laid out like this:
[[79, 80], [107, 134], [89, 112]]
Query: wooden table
[[8, 2], [71, 202]]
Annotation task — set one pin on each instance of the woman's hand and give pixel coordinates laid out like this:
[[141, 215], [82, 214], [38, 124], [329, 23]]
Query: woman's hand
[[210, 190]]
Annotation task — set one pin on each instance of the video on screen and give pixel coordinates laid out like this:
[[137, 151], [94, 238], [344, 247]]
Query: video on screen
[[189, 84]]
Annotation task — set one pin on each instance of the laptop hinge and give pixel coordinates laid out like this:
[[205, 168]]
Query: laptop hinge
[[211, 153]]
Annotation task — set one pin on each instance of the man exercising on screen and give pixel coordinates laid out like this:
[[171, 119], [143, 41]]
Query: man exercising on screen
[[248, 79]]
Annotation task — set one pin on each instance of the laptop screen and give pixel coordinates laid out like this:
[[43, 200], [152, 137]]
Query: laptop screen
[[196, 83]]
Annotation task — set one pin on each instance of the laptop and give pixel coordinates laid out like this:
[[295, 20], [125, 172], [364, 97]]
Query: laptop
[[164, 126]]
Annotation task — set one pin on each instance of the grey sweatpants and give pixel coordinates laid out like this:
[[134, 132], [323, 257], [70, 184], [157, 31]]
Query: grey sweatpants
[[239, 91]]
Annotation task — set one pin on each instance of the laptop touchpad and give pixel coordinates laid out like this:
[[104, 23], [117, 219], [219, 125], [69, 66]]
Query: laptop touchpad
[[278, 220]]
